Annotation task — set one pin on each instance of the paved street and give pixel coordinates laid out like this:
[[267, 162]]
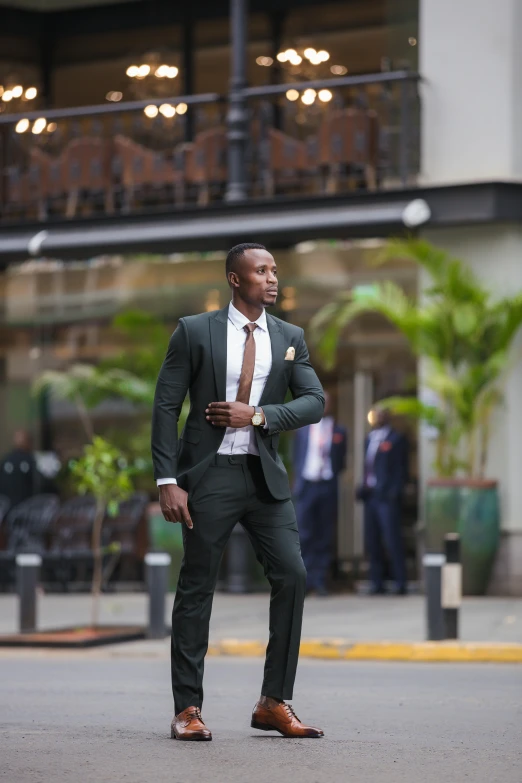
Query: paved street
[[92, 717]]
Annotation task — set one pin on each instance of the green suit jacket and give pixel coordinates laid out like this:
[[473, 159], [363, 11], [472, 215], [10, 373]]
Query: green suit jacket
[[196, 362]]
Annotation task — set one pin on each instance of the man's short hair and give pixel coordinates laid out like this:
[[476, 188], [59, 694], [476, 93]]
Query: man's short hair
[[236, 252]]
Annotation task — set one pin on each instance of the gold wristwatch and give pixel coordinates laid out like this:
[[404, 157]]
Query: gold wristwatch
[[257, 418]]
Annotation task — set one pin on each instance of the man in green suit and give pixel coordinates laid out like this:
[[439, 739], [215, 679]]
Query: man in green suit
[[237, 365]]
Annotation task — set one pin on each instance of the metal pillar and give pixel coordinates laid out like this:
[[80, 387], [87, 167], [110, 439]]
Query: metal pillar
[[237, 109], [433, 565], [188, 73], [451, 595], [157, 564], [277, 20], [27, 573]]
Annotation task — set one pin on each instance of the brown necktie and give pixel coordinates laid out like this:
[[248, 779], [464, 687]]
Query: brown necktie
[[247, 370]]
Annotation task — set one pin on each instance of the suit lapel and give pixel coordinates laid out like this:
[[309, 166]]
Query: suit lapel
[[275, 330], [218, 347]]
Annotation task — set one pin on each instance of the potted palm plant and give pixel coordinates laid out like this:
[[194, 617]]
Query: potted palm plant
[[464, 336]]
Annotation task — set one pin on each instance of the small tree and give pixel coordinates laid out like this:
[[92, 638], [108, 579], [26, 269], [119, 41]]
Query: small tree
[[102, 472]]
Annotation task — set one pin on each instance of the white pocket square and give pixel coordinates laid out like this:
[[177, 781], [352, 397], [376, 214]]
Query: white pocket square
[[290, 354]]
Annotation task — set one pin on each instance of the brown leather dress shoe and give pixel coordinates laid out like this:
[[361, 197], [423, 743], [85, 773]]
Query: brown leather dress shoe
[[281, 718], [188, 725]]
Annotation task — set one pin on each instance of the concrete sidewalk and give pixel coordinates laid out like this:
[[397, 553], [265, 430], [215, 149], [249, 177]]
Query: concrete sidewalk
[[341, 626]]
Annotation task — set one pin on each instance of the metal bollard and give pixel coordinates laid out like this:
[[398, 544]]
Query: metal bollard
[[27, 573], [238, 561], [157, 564], [451, 588], [433, 565]]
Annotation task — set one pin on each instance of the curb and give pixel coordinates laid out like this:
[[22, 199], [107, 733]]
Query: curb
[[344, 650]]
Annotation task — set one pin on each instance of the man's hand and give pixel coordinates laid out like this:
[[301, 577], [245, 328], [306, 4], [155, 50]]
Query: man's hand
[[173, 502], [230, 414]]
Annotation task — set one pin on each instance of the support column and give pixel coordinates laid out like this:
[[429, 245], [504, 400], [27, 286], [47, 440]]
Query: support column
[[188, 73], [471, 66], [237, 111], [277, 19]]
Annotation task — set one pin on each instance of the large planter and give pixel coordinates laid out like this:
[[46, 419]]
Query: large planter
[[470, 508]]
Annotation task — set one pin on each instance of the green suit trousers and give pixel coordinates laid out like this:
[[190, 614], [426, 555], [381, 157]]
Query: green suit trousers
[[233, 489]]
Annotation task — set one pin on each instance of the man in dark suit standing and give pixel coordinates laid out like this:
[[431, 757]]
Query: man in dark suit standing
[[385, 474], [319, 458], [237, 365]]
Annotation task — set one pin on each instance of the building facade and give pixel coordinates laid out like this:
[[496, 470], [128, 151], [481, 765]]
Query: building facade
[[159, 137]]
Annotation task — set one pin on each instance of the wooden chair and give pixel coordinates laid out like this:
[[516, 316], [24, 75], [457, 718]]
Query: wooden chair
[[348, 148], [282, 162], [87, 174], [207, 164], [27, 184], [142, 173]]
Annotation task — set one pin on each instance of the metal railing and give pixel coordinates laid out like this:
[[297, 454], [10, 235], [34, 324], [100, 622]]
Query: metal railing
[[325, 136]]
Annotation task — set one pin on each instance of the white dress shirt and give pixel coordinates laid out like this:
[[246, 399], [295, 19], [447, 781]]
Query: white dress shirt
[[375, 438], [241, 440], [318, 464]]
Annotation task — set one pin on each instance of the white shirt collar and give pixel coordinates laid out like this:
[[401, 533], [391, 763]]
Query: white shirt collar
[[239, 320]]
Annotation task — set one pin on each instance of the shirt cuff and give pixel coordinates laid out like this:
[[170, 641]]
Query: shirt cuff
[[160, 482]]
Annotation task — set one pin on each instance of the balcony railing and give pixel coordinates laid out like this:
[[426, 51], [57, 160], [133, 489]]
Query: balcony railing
[[335, 136]]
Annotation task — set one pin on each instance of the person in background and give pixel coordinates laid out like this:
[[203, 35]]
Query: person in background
[[19, 477], [385, 475], [319, 456]]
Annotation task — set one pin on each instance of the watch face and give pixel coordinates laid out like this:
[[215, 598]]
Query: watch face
[[257, 419]]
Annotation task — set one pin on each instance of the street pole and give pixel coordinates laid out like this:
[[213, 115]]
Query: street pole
[[27, 573], [433, 565], [451, 595], [237, 108], [157, 564]]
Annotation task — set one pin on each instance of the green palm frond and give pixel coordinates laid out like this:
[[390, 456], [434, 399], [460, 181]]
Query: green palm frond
[[465, 335]]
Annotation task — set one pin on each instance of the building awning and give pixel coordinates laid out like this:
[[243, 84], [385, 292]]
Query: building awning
[[207, 229], [279, 223]]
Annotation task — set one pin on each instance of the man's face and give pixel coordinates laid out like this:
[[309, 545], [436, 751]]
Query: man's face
[[256, 278], [382, 418]]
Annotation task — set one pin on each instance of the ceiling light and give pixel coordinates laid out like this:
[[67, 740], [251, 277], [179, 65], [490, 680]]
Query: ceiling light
[[292, 95], [151, 111], [324, 55], [31, 93], [181, 108], [290, 53], [296, 59], [17, 91], [339, 70], [39, 125], [161, 71], [282, 57], [21, 126], [316, 60], [172, 72], [412, 41], [310, 52], [51, 127], [132, 71], [1, 89], [167, 110], [308, 98], [143, 71], [325, 96], [266, 61], [114, 95], [7, 96]]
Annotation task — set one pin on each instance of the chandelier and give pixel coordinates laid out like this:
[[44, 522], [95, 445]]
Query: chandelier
[[305, 64], [14, 96]]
